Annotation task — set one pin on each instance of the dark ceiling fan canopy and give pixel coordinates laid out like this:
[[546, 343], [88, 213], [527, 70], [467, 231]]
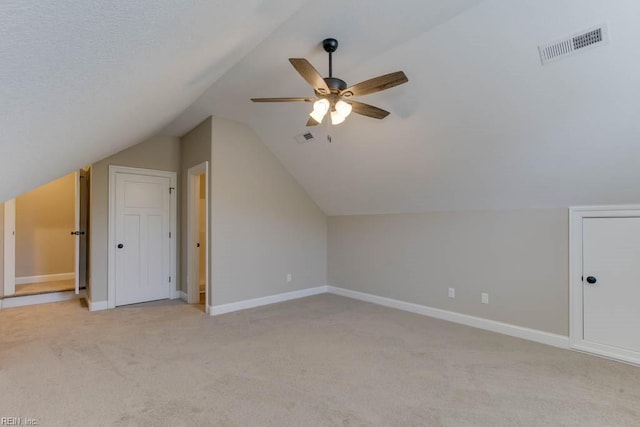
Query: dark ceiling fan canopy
[[336, 90]]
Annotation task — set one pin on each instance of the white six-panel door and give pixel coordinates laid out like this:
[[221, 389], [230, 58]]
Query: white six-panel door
[[142, 239]]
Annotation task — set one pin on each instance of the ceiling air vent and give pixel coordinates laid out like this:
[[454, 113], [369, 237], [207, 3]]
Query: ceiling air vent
[[305, 137], [571, 45]]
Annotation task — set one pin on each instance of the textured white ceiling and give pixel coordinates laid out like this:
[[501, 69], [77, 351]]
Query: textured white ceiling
[[82, 79], [480, 125]]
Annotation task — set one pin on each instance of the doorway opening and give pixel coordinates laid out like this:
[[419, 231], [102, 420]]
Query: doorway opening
[[198, 289], [45, 241]]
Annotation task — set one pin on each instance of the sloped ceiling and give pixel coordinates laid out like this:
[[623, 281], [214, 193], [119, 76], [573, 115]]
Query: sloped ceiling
[[480, 125], [83, 79]]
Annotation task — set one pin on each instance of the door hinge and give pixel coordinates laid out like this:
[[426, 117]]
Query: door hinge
[[171, 189], [169, 234], [169, 279]]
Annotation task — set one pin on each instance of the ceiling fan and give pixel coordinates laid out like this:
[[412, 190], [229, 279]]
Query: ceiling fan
[[333, 95]]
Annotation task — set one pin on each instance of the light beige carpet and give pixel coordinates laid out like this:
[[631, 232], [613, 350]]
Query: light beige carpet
[[323, 360]]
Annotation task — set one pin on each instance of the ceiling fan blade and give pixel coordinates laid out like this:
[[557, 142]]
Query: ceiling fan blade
[[283, 99], [312, 122], [375, 84], [368, 110], [310, 74]]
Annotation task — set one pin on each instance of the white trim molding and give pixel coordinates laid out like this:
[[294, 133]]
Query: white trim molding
[[182, 295], [576, 325], [45, 278], [97, 305], [271, 299], [542, 337], [19, 301], [193, 221], [111, 263], [9, 243]]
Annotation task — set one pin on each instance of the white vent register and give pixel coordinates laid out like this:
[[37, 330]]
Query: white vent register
[[571, 45]]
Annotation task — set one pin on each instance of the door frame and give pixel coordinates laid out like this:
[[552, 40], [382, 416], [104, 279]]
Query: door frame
[[9, 233], [193, 212], [111, 254], [79, 175], [576, 325]]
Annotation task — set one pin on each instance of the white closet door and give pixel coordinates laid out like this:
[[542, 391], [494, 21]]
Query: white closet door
[[611, 282], [143, 244]]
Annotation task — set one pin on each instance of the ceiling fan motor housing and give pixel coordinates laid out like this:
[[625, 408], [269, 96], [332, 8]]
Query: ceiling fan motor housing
[[335, 85]]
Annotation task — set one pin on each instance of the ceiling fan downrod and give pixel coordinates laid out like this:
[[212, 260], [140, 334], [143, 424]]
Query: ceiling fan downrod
[[330, 46]]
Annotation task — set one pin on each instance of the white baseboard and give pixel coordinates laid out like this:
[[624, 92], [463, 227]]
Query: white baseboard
[[476, 322], [40, 299], [271, 299], [45, 278], [183, 296], [97, 305], [175, 294]]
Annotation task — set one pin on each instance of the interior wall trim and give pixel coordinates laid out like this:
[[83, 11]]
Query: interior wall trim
[[535, 335], [271, 299], [45, 278], [19, 301], [111, 254], [96, 306]]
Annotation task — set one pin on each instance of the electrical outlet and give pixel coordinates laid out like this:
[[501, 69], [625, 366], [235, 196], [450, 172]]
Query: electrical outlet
[[289, 277], [485, 298], [452, 293]]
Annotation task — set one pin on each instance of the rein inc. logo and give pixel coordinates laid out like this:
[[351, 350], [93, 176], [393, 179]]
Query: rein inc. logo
[[19, 421]]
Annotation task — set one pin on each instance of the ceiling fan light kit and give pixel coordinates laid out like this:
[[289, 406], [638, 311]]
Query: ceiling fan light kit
[[320, 108], [333, 95]]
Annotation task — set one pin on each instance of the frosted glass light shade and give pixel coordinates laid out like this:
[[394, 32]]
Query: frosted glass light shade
[[343, 108], [337, 118], [320, 108]]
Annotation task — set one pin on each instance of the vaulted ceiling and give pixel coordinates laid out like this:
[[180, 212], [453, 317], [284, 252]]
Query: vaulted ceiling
[[83, 79], [480, 125]]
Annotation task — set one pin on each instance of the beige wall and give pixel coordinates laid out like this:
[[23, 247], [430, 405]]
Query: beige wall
[[519, 257], [158, 152], [195, 148], [45, 218], [263, 223]]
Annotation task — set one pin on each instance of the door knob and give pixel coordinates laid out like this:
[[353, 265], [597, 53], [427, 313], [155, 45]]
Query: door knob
[[591, 280], [120, 246]]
